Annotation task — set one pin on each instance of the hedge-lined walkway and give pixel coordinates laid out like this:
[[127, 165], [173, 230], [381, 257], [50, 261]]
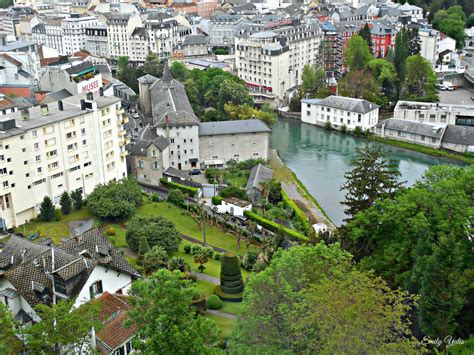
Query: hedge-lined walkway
[[196, 241]]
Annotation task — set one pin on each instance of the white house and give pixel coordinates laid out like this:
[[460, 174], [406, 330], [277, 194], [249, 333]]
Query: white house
[[81, 268], [469, 38], [234, 206], [339, 111]]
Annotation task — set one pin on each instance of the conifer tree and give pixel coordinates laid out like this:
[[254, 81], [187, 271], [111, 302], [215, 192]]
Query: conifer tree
[[371, 178], [66, 203], [46, 210], [143, 248]]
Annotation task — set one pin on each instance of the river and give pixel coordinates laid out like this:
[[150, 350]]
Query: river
[[320, 158]]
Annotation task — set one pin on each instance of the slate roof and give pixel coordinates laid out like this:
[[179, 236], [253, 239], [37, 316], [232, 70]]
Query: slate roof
[[232, 127], [192, 40], [148, 136], [423, 129], [258, 174], [348, 104], [147, 79], [113, 314], [17, 249], [459, 135], [56, 95], [90, 241]]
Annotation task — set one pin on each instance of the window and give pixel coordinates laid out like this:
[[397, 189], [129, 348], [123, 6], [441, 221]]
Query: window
[[155, 165], [39, 170], [153, 153], [5, 184], [141, 164], [95, 289], [172, 140], [34, 133], [308, 113], [52, 153], [53, 165], [36, 146], [50, 142], [38, 158]]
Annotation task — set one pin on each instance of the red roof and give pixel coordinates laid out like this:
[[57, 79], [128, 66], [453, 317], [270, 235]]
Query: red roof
[[113, 314]]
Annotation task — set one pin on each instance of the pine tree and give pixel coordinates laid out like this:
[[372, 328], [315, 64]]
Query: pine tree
[[143, 248], [364, 32], [415, 42], [77, 199], [66, 203], [371, 178], [46, 210]]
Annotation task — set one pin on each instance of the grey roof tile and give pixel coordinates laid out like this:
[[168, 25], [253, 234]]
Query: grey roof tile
[[258, 174], [232, 127]]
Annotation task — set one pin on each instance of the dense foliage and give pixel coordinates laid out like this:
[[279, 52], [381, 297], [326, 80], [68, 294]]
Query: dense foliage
[[372, 177], [313, 300], [451, 22], [129, 74], [421, 240], [157, 230], [115, 200], [167, 324]]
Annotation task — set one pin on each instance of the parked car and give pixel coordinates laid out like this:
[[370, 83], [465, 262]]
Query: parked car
[[195, 172], [136, 115], [472, 98]]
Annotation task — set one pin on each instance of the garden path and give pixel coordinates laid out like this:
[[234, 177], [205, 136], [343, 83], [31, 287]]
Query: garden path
[[221, 314]]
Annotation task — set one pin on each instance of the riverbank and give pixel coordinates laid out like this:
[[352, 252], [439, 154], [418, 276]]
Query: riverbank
[[424, 150], [295, 189]]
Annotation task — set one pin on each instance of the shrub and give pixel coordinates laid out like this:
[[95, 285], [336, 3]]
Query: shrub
[[110, 231], [217, 256], [191, 191], [187, 248], [155, 197], [275, 227], [358, 131], [328, 125], [343, 128], [217, 200], [249, 260], [47, 210], [143, 248], [158, 231], [66, 203], [196, 248], [154, 259], [176, 197], [233, 191], [178, 263], [214, 302], [117, 199], [57, 215], [301, 216]]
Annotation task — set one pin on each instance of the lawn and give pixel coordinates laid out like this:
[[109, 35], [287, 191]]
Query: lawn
[[118, 240], [232, 307], [205, 287], [187, 226], [225, 325], [236, 178], [54, 229]]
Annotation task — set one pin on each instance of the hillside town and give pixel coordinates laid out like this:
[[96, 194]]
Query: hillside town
[[236, 176]]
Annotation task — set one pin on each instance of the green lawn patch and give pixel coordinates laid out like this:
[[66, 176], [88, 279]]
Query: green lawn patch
[[187, 226], [237, 178], [131, 261], [54, 229], [118, 240], [205, 287], [232, 307], [225, 325]]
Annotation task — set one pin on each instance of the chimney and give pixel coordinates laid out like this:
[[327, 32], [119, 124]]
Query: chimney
[[25, 114], [83, 104], [90, 96], [60, 106], [44, 110], [101, 91]]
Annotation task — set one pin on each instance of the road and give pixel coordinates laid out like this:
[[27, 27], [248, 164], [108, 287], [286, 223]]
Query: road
[[460, 96]]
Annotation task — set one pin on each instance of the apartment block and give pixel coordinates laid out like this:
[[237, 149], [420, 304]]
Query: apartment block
[[67, 145]]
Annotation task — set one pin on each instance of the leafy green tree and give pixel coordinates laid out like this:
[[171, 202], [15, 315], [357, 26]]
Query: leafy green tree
[[364, 32], [420, 81], [401, 52], [384, 72], [202, 256], [46, 210], [167, 324], [115, 200], [274, 191], [372, 177], [76, 197], [154, 259], [420, 241], [176, 197], [234, 93], [177, 263], [6, 3], [158, 231], [451, 22], [212, 115], [313, 79], [128, 74], [295, 103], [470, 21], [357, 54], [360, 84], [122, 65], [193, 96], [246, 112], [66, 203], [143, 248], [10, 344], [179, 71], [284, 299], [62, 330], [153, 65]]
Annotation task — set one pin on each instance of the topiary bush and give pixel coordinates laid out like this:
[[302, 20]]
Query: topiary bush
[[232, 284], [214, 302], [217, 256]]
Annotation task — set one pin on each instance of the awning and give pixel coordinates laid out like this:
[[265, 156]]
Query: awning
[[214, 162], [193, 160]]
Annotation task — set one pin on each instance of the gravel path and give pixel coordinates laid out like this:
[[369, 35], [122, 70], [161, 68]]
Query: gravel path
[[211, 279], [192, 240], [221, 314], [80, 226]]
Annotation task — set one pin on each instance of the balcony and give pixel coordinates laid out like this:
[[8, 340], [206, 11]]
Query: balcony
[[123, 154], [125, 119], [122, 133], [120, 111], [120, 122]]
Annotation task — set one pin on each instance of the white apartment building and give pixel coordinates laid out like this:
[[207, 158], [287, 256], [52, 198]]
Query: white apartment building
[[435, 113], [272, 61], [67, 145], [96, 40], [163, 34], [429, 39], [74, 32], [49, 34], [120, 27], [222, 28], [340, 111]]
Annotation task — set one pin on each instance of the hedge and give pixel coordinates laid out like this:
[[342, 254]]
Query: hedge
[[217, 200], [292, 205], [275, 227], [192, 191]]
